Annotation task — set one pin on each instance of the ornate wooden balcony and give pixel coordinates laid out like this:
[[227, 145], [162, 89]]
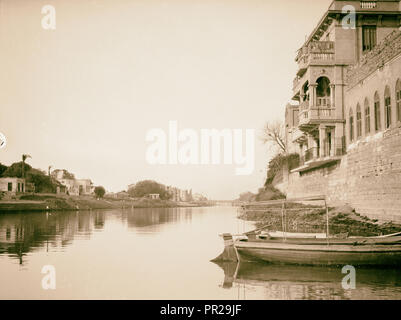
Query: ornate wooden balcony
[[313, 116], [315, 53]]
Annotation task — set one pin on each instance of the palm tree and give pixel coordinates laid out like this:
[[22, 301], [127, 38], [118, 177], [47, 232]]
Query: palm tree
[[24, 157]]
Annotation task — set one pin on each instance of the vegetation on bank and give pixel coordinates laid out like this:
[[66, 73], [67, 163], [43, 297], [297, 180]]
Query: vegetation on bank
[[49, 202], [267, 193], [43, 182], [342, 220], [278, 163]]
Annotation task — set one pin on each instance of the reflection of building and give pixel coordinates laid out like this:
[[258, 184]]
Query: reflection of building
[[73, 186], [12, 185], [346, 125]]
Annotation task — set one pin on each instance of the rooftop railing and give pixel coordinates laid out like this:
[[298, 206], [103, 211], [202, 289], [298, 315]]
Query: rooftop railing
[[368, 4]]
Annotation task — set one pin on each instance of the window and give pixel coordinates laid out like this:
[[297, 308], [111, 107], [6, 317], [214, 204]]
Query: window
[[358, 121], [323, 92], [387, 107], [305, 90], [377, 112], [398, 95], [368, 38], [367, 117], [10, 186], [295, 118], [351, 125]]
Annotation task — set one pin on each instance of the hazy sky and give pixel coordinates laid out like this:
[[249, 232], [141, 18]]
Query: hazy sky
[[82, 97]]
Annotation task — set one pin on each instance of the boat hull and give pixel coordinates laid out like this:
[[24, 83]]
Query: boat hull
[[323, 255]]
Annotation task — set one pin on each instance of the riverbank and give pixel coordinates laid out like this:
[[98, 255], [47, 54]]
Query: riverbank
[[50, 202], [342, 220]]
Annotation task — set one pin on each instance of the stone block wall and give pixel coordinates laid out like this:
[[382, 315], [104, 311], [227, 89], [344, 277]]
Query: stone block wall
[[374, 175], [368, 178]]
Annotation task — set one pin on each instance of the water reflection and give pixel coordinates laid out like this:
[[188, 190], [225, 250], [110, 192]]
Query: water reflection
[[156, 254], [301, 282], [140, 218], [22, 233]]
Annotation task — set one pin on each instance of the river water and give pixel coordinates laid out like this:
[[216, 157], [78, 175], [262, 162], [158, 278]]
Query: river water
[[156, 254]]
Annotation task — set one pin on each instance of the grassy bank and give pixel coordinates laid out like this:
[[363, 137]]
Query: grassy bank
[[301, 219], [45, 202]]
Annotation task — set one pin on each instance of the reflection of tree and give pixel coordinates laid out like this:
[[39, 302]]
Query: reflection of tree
[[21, 233], [139, 218]]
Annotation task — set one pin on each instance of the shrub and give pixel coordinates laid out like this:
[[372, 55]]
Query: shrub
[[276, 165]]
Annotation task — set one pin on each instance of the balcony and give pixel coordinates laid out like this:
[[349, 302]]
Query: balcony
[[315, 53], [312, 116], [330, 152]]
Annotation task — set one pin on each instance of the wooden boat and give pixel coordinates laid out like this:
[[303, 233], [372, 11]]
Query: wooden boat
[[313, 249], [367, 251]]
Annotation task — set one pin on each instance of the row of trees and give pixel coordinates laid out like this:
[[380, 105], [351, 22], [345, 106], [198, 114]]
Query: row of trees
[[46, 183], [43, 183]]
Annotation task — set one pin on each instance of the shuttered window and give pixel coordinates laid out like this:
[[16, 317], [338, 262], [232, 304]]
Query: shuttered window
[[368, 38]]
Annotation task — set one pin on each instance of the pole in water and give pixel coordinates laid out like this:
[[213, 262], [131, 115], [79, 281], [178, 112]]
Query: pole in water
[[327, 221], [282, 219]]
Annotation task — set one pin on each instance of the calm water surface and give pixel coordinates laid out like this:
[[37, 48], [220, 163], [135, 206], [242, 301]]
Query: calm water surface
[[156, 254]]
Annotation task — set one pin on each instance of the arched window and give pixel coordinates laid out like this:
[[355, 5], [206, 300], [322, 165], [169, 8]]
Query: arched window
[[305, 90], [358, 121], [387, 107], [351, 125], [323, 92], [367, 116], [377, 112], [398, 95]]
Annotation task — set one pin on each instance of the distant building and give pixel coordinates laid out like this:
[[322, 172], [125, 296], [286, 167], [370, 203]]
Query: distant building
[[179, 195], [12, 185], [199, 197], [122, 195], [73, 187], [154, 196], [118, 195]]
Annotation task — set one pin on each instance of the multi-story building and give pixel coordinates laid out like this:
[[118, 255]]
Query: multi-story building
[[73, 187], [346, 121], [179, 195]]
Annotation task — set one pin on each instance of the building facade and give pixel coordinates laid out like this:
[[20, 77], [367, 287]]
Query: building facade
[[12, 185], [346, 123], [73, 187]]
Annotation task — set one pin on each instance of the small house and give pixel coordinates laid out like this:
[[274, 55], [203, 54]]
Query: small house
[[12, 185]]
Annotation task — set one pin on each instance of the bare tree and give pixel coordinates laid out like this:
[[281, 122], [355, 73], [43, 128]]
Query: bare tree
[[274, 136]]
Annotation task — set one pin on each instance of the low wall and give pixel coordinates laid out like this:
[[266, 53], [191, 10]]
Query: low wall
[[368, 178]]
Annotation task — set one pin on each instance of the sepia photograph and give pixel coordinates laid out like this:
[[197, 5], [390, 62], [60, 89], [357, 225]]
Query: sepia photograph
[[213, 151]]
